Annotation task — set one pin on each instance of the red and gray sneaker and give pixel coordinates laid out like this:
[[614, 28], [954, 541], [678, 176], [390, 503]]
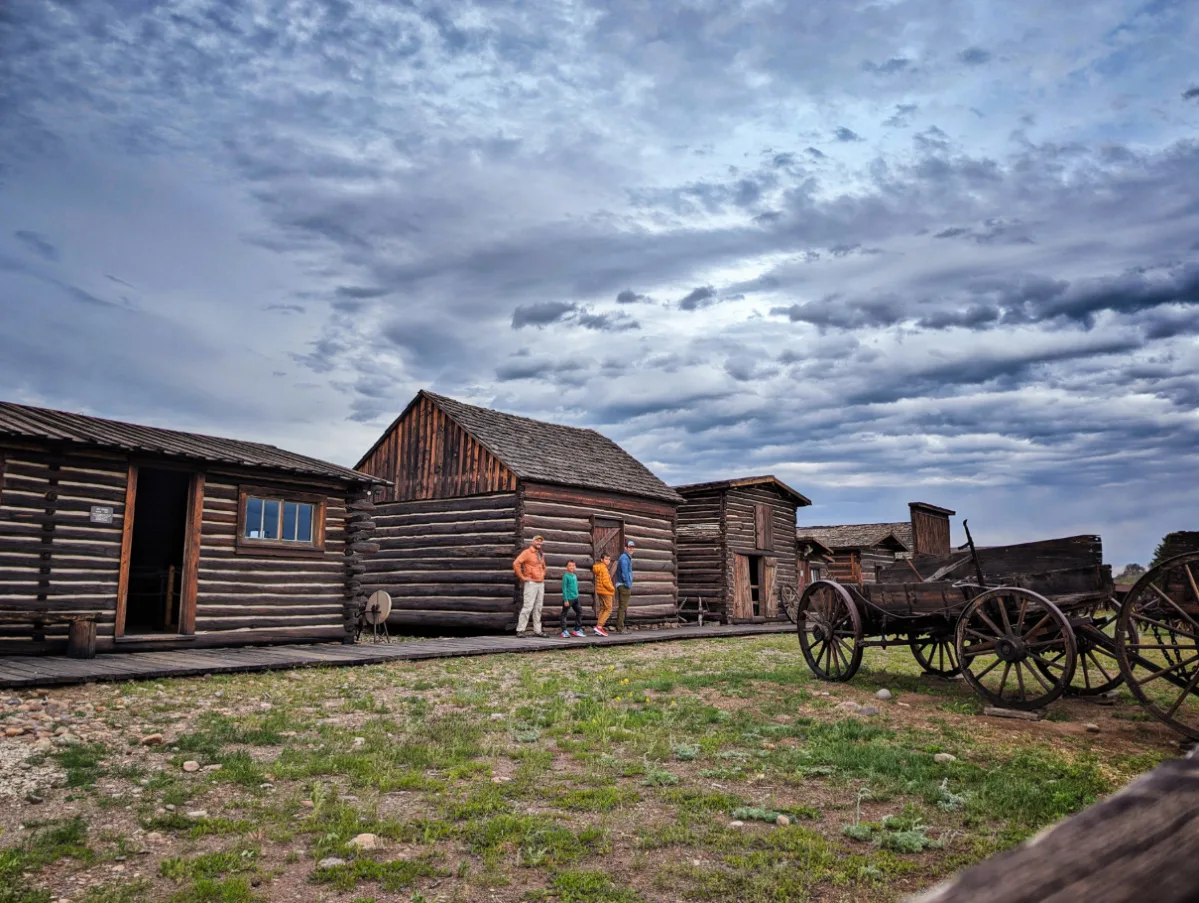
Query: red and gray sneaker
[[576, 633], [599, 631]]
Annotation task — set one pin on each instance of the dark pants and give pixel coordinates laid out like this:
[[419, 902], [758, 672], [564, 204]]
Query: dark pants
[[622, 605], [567, 604]]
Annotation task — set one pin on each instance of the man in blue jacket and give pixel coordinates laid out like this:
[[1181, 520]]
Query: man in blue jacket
[[623, 578]]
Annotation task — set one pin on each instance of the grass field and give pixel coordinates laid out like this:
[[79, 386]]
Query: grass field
[[653, 772]]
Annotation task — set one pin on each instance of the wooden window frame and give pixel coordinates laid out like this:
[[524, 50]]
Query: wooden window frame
[[281, 548]]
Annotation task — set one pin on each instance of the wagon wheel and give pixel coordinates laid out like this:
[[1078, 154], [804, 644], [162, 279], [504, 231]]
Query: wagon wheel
[[935, 652], [1098, 669], [830, 631], [1157, 642], [789, 598], [1016, 648]]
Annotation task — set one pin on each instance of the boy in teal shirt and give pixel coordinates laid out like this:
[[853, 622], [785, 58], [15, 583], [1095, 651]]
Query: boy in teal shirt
[[570, 599]]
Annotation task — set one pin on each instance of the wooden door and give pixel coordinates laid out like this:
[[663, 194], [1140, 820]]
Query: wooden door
[[607, 537], [743, 606], [770, 604]]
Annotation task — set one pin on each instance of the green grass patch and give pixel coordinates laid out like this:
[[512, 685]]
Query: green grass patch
[[573, 886], [81, 762], [393, 876]]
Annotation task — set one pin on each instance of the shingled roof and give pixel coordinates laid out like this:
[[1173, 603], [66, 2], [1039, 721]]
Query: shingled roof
[[740, 482], [552, 453], [25, 422], [859, 536]]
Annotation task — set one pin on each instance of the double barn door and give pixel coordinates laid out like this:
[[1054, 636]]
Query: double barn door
[[754, 594]]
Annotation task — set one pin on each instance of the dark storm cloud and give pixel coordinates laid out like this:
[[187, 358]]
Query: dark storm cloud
[[541, 314], [628, 296], [890, 67], [361, 292], [38, 244], [697, 298], [902, 115], [847, 135], [815, 153], [974, 56], [614, 322], [1191, 93]]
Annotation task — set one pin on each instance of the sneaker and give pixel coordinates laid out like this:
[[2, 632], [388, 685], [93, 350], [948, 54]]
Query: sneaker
[[599, 631], [577, 633], [565, 634]]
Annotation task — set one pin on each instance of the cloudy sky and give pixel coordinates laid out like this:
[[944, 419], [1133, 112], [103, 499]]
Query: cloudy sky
[[890, 250]]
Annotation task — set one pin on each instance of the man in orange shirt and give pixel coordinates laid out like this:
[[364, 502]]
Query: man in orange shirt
[[530, 569]]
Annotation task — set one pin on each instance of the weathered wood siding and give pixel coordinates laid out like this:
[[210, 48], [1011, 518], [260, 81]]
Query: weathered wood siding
[[447, 562], [743, 535], [51, 557], [701, 548], [930, 532], [846, 566], [873, 562], [563, 517], [250, 596], [426, 455]]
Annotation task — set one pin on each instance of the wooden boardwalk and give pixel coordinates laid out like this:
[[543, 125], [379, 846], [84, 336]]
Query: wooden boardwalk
[[57, 670]]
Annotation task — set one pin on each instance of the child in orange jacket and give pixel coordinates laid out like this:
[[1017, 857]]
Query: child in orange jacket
[[604, 591]]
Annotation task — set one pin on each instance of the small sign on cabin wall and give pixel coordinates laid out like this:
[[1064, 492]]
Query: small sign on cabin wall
[[101, 514]]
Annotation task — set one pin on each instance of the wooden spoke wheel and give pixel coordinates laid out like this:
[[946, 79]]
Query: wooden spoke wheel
[[1157, 642], [789, 597], [936, 653], [1097, 670], [830, 630], [1016, 648]]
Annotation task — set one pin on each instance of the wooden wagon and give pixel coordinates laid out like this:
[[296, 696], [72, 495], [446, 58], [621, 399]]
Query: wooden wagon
[[1021, 633]]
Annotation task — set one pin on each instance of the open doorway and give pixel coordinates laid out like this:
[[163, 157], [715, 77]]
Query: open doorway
[[753, 587], [160, 516]]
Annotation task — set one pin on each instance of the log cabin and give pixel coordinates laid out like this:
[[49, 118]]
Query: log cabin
[[470, 487], [125, 537], [737, 546], [861, 552]]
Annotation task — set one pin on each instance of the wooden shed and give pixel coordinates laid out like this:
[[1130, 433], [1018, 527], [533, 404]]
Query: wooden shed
[[737, 545], [169, 540], [860, 552], [471, 487]]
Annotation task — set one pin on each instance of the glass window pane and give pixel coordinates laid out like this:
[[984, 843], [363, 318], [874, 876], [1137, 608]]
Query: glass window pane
[[253, 518], [289, 520], [304, 528], [270, 519]]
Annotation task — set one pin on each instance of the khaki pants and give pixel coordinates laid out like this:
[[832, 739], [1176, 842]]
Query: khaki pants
[[623, 593], [604, 610], [530, 610]]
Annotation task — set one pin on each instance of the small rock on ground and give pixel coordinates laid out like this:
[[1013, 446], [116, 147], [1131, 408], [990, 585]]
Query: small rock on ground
[[1091, 728], [944, 758], [782, 821], [365, 842], [330, 862], [868, 710], [152, 740], [736, 824], [883, 694], [191, 765]]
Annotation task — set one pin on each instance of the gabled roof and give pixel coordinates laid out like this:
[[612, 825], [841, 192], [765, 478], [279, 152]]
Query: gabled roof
[[22, 421], [810, 545], [766, 480], [548, 452], [861, 536]]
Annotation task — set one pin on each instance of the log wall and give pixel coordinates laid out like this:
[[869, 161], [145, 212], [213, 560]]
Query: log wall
[[563, 517], [426, 455], [248, 596], [701, 548], [447, 562], [742, 536], [874, 562], [52, 558]]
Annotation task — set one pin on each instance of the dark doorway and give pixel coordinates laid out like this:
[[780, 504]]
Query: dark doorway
[[749, 592], [156, 553]]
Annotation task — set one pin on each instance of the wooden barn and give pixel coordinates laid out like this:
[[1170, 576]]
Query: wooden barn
[[157, 539], [737, 546], [471, 487], [860, 552]]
